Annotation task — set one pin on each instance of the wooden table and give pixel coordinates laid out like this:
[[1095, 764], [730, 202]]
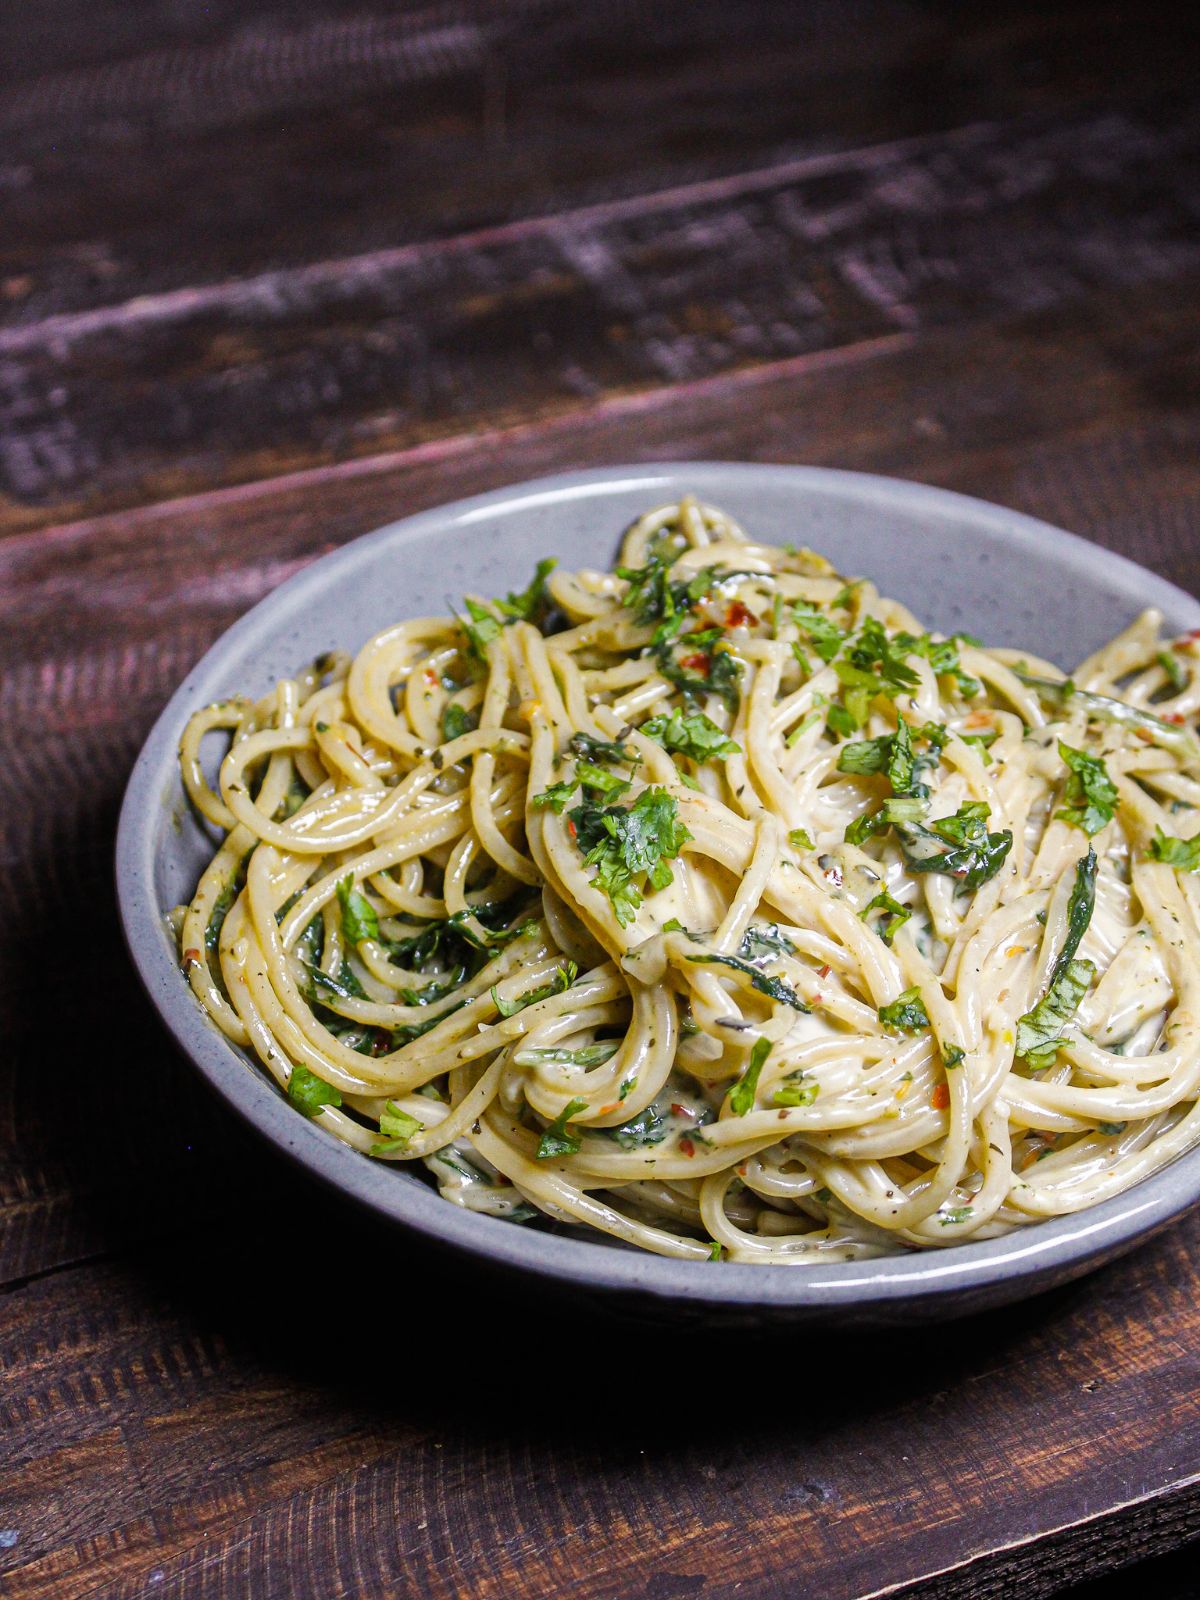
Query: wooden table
[[267, 283]]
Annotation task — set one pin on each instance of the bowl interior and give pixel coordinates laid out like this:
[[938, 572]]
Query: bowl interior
[[957, 563]]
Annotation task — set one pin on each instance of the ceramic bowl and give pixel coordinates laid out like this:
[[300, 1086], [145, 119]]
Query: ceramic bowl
[[958, 563]]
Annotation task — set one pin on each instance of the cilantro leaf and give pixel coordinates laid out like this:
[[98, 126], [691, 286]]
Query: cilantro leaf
[[1091, 795], [741, 1097], [800, 839], [694, 735], [359, 921], [310, 1094], [907, 1014], [556, 1140], [1182, 854]]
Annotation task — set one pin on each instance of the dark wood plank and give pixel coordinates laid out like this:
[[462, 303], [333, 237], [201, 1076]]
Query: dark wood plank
[[342, 359], [372, 126], [339, 1468]]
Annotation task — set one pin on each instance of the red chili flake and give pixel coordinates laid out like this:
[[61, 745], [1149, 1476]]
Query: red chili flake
[[695, 663], [739, 616], [190, 957], [678, 1110], [380, 1041], [941, 1097], [688, 1148], [1175, 716], [431, 677], [823, 972], [572, 829]]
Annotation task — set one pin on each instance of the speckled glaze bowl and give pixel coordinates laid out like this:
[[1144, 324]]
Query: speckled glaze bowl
[[959, 564]]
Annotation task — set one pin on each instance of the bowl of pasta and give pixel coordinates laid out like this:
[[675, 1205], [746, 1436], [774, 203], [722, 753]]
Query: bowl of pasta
[[739, 891]]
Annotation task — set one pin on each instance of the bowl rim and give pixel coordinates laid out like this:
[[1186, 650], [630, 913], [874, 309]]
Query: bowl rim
[[1058, 1246]]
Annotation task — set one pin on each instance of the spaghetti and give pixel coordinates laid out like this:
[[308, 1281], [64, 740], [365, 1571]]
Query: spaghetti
[[713, 905]]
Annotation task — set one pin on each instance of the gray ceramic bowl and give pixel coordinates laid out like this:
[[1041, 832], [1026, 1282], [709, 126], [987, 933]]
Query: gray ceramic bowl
[[958, 563]]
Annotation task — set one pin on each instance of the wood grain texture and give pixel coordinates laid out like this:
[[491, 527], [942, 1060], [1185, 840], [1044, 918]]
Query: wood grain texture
[[248, 333], [411, 253]]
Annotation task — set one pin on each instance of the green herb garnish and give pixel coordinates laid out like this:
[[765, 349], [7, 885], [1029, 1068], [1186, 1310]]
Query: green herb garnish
[[1040, 1031], [556, 1140], [561, 981], [908, 1013], [310, 1094], [741, 1097], [630, 846], [692, 735], [1091, 795]]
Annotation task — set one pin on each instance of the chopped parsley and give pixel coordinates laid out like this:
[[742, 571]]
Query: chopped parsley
[[741, 1098], [359, 920], [456, 721], [761, 941], [799, 837], [942, 656], [1182, 854], [907, 1014], [310, 1094], [588, 1055], [1090, 793], [630, 846], [608, 750], [645, 1129], [562, 979], [894, 915], [555, 797], [482, 624], [823, 634], [795, 1091], [556, 1140], [692, 735], [397, 1128], [703, 669]]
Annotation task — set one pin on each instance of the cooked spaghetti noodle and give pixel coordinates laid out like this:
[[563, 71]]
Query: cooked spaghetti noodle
[[713, 905]]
